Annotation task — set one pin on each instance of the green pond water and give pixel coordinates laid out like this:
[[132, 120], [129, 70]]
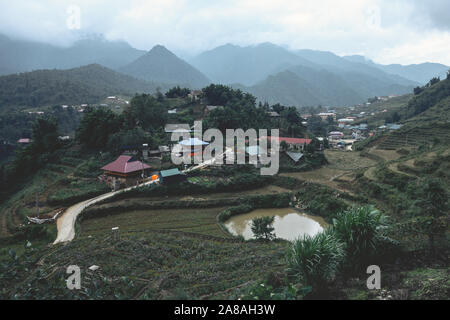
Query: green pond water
[[289, 224]]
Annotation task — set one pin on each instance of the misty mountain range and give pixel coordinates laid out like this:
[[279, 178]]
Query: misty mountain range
[[270, 72]]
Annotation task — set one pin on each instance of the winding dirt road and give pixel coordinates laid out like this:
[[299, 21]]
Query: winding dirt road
[[66, 222]]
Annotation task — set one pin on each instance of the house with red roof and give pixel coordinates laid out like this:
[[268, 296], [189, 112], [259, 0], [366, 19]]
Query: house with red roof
[[125, 171], [294, 143]]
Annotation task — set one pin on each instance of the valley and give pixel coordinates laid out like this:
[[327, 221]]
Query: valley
[[87, 176]]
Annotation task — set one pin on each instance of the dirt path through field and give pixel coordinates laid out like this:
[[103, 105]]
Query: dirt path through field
[[66, 222]]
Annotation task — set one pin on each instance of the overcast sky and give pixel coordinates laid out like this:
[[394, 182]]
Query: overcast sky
[[387, 31]]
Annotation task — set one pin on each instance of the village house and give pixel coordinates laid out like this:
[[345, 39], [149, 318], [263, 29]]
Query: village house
[[325, 115], [124, 171], [195, 95], [175, 127], [293, 143], [208, 109], [294, 157], [194, 145], [171, 176], [24, 141], [335, 135], [345, 121], [273, 114], [252, 151]]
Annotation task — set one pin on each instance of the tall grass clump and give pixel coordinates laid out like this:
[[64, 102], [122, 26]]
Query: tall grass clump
[[362, 232], [315, 260]]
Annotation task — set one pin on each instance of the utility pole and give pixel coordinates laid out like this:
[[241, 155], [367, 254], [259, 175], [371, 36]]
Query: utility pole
[[37, 205]]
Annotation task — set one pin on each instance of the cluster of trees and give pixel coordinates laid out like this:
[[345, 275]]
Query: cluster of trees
[[18, 124], [177, 92], [428, 96], [30, 158], [141, 122], [319, 127], [239, 110]]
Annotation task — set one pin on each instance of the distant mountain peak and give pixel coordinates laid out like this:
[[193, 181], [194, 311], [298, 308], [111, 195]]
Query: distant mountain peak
[[159, 47], [160, 64]]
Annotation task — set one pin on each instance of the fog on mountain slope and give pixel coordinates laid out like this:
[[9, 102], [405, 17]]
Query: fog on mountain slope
[[21, 56], [421, 73], [272, 73], [229, 64]]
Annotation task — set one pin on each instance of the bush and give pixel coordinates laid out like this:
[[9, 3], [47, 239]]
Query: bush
[[232, 211], [316, 259], [77, 191], [321, 201], [263, 228], [361, 230], [34, 232]]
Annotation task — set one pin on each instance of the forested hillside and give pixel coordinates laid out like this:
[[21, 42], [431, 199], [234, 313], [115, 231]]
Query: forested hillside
[[88, 84]]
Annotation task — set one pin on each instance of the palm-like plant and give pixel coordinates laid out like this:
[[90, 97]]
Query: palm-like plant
[[361, 229], [315, 259]]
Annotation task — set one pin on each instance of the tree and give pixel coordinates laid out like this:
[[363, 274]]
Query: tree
[[97, 126], [278, 108], [433, 81], [262, 228], [284, 146], [145, 111], [418, 90], [293, 121], [177, 92], [45, 136], [239, 110], [131, 139]]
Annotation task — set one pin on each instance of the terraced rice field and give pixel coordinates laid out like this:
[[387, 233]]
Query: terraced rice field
[[147, 264], [338, 172], [415, 137], [201, 221]]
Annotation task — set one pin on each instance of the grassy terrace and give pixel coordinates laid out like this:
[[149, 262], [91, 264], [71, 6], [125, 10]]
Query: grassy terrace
[[416, 136], [201, 221]]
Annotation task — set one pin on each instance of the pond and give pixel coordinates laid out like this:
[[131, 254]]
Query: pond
[[289, 224]]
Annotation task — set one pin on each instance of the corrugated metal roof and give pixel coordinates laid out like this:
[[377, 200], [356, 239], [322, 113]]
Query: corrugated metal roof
[[252, 150], [170, 172], [193, 142], [125, 164], [296, 156], [290, 140]]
